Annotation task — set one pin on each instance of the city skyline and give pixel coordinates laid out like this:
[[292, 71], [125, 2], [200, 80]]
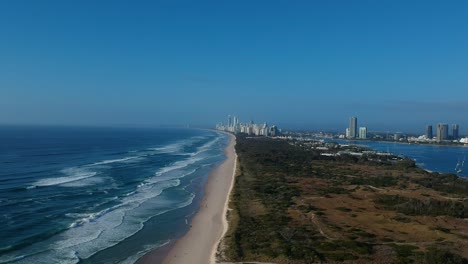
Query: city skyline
[[234, 125], [353, 131], [395, 64], [230, 131]]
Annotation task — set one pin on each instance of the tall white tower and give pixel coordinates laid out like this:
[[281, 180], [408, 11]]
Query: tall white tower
[[353, 129]]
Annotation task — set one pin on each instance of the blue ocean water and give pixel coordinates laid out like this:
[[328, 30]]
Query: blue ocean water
[[95, 195], [438, 158]]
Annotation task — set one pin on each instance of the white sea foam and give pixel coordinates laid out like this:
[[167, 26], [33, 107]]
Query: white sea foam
[[73, 174], [85, 218], [97, 231], [199, 137], [154, 180], [146, 248], [205, 147], [177, 147], [125, 160], [177, 165], [195, 157], [94, 232], [86, 182], [177, 169], [81, 176], [171, 148]]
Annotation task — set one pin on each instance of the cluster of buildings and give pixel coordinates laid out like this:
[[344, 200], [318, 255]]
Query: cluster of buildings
[[235, 126], [443, 132], [352, 132], [333, 149]]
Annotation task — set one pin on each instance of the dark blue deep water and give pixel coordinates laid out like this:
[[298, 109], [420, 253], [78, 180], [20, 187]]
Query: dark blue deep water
[[95, 195]]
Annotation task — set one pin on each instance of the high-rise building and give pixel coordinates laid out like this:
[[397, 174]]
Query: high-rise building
[[234, 125], [363, 132], [455, 129], [353, 129], [429, 132], [397, 136], [442, 132]]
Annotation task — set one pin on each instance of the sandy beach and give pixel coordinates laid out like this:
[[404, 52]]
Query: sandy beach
[[209, 224]]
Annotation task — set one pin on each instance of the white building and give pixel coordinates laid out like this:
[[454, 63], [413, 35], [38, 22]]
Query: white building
[[363, 132], [235, 126]]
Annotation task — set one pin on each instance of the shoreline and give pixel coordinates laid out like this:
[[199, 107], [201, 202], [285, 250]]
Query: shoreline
[[418, 166], [408, 143], [209, 225]]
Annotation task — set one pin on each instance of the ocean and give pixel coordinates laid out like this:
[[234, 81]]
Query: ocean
[[99, 195], [438, 158]]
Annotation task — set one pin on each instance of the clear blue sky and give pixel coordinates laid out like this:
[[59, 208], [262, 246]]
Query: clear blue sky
[[397, 65]]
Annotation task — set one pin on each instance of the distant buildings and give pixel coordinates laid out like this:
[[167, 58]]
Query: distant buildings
[[353, 132], [443, 136], [442, 132], [455, 129], [429, 132], [363, 133], [397, 136], [235, 126]]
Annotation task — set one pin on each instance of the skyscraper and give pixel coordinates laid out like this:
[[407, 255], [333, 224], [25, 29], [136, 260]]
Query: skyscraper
[[353, 132], [429, 132], [236, 121], [229, 124], [363, 132], [442, 132], [235, 124], [455, 129]]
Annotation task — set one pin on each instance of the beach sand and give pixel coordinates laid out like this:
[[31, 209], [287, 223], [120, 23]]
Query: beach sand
[[209, 225]]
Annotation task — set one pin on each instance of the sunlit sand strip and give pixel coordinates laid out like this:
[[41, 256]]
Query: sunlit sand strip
[[209, 224]]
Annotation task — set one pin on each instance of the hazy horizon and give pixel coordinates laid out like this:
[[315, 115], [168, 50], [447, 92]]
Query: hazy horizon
[[395, 65]]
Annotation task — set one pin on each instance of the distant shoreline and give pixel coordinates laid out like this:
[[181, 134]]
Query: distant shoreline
[[356, 142], [405, 143]]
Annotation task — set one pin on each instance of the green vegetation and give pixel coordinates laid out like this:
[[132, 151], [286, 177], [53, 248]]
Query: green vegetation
[[292, 205], [447, 183], [440, 256], [431, 207], [343, 209], [404, 251], [383, 181]]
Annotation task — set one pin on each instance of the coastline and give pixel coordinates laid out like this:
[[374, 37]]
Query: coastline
[[422, 162], [408, 143], [209, 225]]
